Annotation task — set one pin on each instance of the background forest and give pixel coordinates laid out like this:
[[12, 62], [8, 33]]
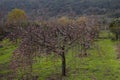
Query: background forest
[[108, 8]]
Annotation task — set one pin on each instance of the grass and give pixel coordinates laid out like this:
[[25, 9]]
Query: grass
[[97, 66], [100, 64], [5, 56]]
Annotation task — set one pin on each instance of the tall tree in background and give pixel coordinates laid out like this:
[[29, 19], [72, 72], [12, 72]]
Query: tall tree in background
[[16, 20], [16, 16]]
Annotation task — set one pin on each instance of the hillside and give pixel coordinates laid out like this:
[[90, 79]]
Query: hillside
[[59, 40], [64, 7]]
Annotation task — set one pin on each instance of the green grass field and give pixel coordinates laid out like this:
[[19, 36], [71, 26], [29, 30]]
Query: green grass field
[[100, 64]]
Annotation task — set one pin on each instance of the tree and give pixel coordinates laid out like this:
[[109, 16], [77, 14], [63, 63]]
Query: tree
[[51, 37], [22, 59], [16, 20], [115, 28], [16, 16], [3, 33], [1, 29], [57, 37], [89, 31], [118, 51]]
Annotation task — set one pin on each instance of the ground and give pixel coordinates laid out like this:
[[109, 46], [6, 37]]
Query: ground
[[100, 64]]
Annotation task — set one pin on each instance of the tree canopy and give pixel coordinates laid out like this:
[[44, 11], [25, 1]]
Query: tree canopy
[[16, 16]]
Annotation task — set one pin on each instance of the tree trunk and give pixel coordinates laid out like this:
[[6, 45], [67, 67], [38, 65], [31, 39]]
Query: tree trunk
[[117, 36], [63, 64]]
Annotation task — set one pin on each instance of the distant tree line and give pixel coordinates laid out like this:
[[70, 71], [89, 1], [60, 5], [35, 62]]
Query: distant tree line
[[110, 8]]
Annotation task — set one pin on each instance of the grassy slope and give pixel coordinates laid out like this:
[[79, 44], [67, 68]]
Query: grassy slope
[[101, 64], [5, 55]]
